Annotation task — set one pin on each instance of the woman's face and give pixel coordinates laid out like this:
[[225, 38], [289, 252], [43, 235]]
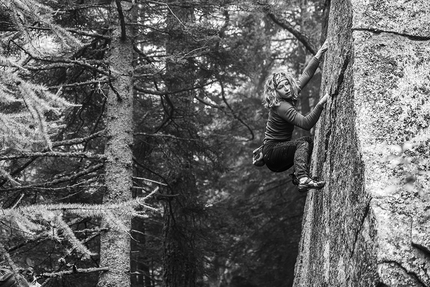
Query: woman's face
[[283, 89]]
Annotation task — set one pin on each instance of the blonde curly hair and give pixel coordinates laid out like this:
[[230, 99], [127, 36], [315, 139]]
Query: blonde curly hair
[[271, 96]]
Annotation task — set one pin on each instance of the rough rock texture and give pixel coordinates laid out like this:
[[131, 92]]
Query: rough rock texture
[[370, 225]]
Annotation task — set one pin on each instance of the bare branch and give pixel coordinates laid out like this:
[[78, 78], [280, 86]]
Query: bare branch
[[287, 26], [232, 111], [150, 180], [54, 144], [164, 135], [164, 93], [59, 180], [99, 81], [77, 140], [60, 63], [86, 6], [209, 104], [121, 19]]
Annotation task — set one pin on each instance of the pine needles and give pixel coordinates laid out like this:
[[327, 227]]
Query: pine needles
[[49, 220]]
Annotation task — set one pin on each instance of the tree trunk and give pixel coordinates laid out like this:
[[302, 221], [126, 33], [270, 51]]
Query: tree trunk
[[115, 244], [368, 226]]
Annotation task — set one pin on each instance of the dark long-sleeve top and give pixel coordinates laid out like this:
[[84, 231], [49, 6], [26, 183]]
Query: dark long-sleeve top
[[283, 118]]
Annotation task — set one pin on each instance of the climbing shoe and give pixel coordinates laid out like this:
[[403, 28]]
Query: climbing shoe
[[310, 183]]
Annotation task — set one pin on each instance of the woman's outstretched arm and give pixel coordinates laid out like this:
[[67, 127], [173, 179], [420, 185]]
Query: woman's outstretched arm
[[312, 66]]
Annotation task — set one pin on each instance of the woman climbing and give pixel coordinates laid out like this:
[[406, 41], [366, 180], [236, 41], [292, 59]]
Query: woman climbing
[[280, 151]]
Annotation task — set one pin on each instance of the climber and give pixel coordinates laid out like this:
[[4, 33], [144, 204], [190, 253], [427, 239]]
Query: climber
[[280, 151]]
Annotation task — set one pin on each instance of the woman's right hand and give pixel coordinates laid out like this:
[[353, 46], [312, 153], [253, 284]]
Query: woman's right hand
[[324, 99], [324, 46], [322, 50]]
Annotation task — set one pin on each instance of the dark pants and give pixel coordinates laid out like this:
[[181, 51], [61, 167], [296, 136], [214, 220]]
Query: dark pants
[[280, 156]]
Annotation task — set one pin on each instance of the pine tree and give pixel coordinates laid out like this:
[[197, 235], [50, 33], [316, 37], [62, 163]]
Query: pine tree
[[33, 116], [115, 245]]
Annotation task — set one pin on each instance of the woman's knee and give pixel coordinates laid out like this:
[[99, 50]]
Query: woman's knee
[[308, 143]]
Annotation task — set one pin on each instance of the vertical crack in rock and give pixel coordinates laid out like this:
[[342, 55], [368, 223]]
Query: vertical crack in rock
[[327, 141], [410, 273], [357, 233], [334, 94], [341, 75]]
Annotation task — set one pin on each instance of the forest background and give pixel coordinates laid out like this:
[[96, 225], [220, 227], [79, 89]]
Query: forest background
[[127, 129]]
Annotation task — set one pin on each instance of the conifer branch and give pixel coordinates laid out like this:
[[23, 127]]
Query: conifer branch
[[86, 240], [71, 30], [17, 171], [78, 140], [96, 230], [6, 256], [57, 181], [8, 177], [71, 237], [86, 155], [5, 62], [74, 271], [65, 64], [39, 238], [83, 209]]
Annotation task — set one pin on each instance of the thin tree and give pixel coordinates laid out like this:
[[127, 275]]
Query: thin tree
[[115, 244]]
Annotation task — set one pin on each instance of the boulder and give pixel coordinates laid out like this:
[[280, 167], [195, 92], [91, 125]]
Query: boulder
[[370, 225]]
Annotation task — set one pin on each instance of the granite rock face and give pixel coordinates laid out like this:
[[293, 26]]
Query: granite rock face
[[370, 225]]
